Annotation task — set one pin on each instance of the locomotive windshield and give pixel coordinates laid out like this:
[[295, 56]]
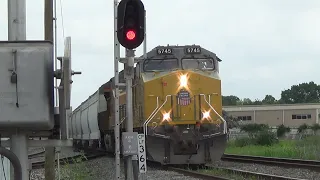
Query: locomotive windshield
[[201, 64], [160, 64]]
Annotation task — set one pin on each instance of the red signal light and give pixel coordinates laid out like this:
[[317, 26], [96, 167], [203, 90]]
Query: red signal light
[[130, 35]]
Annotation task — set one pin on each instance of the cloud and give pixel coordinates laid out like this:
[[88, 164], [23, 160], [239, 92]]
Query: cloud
[[266, 46]]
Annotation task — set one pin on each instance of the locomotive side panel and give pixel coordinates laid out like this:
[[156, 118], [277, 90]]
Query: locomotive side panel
[[122, 111], [138, 103]]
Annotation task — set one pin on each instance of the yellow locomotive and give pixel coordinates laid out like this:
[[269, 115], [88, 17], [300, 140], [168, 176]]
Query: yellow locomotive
[[177, 102]]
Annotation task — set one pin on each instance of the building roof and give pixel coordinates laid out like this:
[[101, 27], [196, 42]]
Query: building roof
[[272, 107]]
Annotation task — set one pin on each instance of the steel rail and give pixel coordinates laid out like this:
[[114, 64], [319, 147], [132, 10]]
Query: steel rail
[[283, 162]]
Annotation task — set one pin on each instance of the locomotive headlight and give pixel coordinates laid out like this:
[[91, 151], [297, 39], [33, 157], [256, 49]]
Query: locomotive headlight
[[183, 81], [166, 116], [206, 115]]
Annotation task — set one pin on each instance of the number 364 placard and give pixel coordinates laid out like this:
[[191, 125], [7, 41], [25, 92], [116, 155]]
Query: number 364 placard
[[142, 153]]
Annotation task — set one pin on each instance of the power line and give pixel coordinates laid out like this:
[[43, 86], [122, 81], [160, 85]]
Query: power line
[[62, 23]]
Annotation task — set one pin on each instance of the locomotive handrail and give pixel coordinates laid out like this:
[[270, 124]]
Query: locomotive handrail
[[224, 121], [144, 129], [152, 115], [153, 110]]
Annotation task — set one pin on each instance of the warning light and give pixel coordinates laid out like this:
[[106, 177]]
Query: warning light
[[130, 23], [131, 35]]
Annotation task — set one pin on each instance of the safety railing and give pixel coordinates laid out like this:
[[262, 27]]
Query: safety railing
[[224, 121], [155, 111]]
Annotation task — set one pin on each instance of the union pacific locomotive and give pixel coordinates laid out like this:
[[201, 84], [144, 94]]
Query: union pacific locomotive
[[177, 102]]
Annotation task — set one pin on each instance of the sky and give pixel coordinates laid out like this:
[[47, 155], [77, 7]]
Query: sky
[[265, 45]]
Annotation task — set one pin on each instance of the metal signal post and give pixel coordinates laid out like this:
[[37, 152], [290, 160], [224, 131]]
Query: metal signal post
[[116, 94], [129, 28]]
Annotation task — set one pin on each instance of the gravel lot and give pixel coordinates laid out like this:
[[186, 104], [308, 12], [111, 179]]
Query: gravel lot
[[103, 169], [280, 171]]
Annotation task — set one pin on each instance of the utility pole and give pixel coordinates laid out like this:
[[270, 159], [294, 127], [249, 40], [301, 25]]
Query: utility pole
[[29, 87], [16, 32], [48, 34]]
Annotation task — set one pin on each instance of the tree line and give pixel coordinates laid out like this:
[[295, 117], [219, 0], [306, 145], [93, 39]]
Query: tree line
[[301, 93]]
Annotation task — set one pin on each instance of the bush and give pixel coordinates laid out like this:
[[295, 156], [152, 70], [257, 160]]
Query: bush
[[315, 127], [282, 130], [245, 141], [266, 138], [262, 138], [302, 128], [259, 134], [253, 129]]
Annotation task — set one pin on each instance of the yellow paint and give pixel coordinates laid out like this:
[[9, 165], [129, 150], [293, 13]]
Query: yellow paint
[[169, 85]]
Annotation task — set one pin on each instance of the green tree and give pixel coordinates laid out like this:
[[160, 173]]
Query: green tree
[[230, 100], [301, 93], [257, 102], [246, 101], [269, 99]]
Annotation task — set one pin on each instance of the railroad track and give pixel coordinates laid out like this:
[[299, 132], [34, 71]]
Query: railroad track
[[234, 172], [196, 174], [36, 154], [68, 160], [283, 162]]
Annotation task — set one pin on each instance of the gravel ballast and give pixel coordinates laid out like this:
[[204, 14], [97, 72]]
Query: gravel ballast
[[103, 168]]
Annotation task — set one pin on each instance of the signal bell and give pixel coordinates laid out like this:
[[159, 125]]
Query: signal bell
[[130, 23]]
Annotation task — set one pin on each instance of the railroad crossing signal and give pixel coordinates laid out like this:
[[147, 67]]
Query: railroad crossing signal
[[130, 23]]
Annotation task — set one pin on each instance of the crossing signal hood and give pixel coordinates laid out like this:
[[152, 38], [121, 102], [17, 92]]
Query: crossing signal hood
[[130, 24]]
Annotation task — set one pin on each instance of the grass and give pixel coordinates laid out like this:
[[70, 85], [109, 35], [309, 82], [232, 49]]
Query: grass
[[307, 148], [75, 171]]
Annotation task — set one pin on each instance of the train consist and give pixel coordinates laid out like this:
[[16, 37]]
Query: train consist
[[176, 101]]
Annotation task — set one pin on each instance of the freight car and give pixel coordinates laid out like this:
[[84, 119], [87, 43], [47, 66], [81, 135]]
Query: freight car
[[176, 101]]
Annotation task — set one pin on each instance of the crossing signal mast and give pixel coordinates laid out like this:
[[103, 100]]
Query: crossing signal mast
[[130, 33]]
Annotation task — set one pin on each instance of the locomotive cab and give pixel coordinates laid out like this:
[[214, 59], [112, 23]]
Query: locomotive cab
[[182, 102]]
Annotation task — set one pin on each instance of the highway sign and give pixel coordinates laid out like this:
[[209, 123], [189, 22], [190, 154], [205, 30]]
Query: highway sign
[[142, 153]]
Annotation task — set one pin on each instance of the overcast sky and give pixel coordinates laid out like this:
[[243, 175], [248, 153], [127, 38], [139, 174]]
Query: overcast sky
[[265, 45]]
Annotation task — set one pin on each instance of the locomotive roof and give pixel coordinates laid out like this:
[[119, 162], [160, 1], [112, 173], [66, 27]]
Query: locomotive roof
[[181, 50]]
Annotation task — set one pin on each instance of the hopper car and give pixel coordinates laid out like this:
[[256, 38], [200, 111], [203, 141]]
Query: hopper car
[[177, 103]]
